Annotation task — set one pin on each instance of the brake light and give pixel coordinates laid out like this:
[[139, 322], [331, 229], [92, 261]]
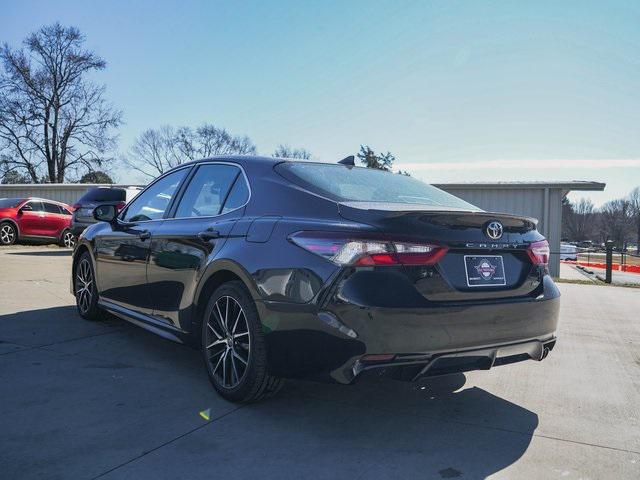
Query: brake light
[[343, 250], [120, 206], [539, 252]]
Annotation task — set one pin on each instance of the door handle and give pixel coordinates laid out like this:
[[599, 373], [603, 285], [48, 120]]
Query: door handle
[[144, 235], [209, 234]]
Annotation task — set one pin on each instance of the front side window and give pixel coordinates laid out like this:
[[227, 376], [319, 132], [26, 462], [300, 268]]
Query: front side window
[[359, 184], [36, 206], [207, 191], [155, 200]]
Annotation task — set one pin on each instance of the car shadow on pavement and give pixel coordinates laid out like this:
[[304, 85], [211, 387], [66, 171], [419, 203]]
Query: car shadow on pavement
[[52, 253], [435, 428], [377, 428]]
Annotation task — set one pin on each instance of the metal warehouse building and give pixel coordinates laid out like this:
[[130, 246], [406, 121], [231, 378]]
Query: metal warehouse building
[[541, 200]]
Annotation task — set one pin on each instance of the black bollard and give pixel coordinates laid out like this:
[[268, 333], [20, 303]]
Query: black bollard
[[609, 246]]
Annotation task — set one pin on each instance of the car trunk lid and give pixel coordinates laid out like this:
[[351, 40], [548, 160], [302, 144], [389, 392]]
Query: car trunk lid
[[476, 266]]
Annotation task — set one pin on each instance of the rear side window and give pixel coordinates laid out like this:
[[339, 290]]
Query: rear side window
[[238, 196], [52, 208], [97, 195], [359, 184], [207, 191]]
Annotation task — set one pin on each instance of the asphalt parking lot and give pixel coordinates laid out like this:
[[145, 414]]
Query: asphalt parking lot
[[109, 400]]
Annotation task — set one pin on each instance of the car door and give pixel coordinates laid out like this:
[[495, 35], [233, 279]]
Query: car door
[[122, 248], [31, 219], [183, 245], [54, 221]]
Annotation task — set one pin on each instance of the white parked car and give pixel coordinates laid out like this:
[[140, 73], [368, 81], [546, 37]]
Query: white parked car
[[568, 252]]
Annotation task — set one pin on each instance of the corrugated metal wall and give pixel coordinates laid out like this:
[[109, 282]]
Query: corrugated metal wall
[[522, 201], [65, 192]]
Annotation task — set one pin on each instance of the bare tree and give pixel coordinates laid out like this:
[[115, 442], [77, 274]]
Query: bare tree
[[285, 151], [154, 152], [157, 150], [578, 219], [634, 204], [615, 219], [52, 118], [372, 160]]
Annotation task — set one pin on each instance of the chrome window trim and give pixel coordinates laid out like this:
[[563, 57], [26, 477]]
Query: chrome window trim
[[246, 181]]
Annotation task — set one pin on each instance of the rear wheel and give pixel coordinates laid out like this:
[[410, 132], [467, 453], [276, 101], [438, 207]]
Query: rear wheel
[[8, 233], [67, 239], [233, 346], [84, 286]]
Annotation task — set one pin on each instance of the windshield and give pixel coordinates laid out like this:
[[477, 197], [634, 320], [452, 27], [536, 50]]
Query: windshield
[[10, 202], [359, 184]]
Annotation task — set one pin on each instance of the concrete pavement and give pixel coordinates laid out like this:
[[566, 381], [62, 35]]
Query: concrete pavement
[[109, 400]]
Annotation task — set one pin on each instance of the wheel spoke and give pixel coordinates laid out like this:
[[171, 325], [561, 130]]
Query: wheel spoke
[[217, 342], [214, 355], [226, 314], [235, 325], [219, 361], [238, 335], [220, 321], [214, 331], [235, 354], [235, 372], [224, 368]]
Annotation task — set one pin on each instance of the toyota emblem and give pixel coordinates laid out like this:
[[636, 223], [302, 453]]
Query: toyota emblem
[[494, 230]]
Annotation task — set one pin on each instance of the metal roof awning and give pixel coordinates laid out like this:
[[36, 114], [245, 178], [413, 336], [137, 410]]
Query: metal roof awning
[[562, 185]]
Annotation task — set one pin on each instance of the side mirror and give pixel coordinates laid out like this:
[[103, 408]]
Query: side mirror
[[105, 213], [26, 208]]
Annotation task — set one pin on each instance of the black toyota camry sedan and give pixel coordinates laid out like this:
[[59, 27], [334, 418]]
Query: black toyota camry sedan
[[293, 269]]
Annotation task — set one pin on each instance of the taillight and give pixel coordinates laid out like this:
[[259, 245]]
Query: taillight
[[343, 250], [539, 252], [120, 206]]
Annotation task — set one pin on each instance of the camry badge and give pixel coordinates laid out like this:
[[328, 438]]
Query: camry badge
[[494, 230]]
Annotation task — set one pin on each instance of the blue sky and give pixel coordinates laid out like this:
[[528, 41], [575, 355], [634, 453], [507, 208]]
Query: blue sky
[[458, 91]]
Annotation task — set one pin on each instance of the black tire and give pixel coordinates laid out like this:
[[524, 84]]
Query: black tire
[[67, 239], [225, 347], [8, 233], [84, 287]]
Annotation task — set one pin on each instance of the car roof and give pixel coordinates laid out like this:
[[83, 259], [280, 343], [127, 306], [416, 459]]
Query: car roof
[[252, 160], [38, 199]]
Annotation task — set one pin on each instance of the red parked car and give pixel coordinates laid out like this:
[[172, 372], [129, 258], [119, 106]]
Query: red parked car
[[35, 219]]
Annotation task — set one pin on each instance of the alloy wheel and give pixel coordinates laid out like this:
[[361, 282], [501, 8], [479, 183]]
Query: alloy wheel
[[7, 234], [228, 342], [84, 285], [69, 239]]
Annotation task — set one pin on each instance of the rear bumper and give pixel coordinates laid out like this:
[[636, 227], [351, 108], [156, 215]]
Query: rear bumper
[[331, 342], [77, 227]]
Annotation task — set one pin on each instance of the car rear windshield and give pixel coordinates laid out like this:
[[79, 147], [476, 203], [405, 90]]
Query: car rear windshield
[[103, 195], [359, 184], [10, 202]]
